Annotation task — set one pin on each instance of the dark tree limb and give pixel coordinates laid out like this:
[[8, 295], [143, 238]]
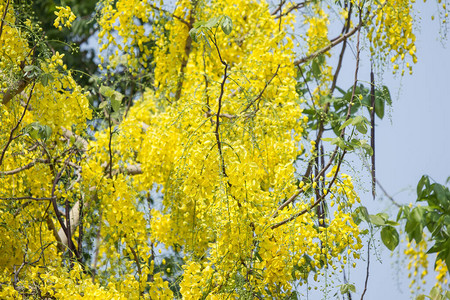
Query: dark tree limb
[[372, 129]]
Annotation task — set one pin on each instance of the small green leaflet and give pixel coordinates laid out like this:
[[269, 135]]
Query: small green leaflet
[[390, 237]]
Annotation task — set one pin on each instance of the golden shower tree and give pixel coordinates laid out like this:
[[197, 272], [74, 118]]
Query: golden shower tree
[[206, 140]]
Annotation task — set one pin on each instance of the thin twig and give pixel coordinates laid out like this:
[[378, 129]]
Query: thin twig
[[367, 271], [222, 88], [171, 14], [387, 195], [279, 7], [335, 42], [317, 202], [258, 98], [290, 9], [10, 139], [341, 55], [110, 147], [372, 129]]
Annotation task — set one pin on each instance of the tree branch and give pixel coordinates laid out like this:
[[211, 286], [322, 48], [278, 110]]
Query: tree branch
[[170, 14], [26, 167], [10, 139], [367, 271], [26, 198], [335, 42], [3, 18]]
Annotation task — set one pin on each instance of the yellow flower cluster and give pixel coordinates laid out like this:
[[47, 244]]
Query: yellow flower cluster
[[418, 266], [391, 32], [317, 33], [122, 27], [64, 17]]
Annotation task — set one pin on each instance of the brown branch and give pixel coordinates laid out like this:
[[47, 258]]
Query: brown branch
[[26, 167], [341, 55], [66, 229], [15, 89], [227, 116], [78, 139], [367, 271], [279, 7], [97, 248], [222, 89], [51, 226], [171, 14], [294, 7], [386, 194], [26, 198], [187, 50], [299, 191], [258, 98], [317, 202], [335, 42], [10, 139], [136, 259], [372, 129], [3, 18]]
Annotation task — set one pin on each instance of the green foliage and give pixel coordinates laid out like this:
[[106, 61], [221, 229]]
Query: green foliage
[[434, 217], [202, 29], [436, 293], [38, 131]]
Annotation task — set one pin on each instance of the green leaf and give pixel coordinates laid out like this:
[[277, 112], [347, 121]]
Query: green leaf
[[45, 78], [377, 220], [392, 223], [366, 147], [346, 123], [363, 213], [435, 292], [345, 288], [28, 68], [360, 214], [227, 25], [106, 91], [212, 22], [340, 90], [115, 115], [115, 104], [38, 131], [103, 104], [414, 224], [390, 237], [193, 34], [436, 248], [386, 94], [362, 128], [424, 181], [315, 68], [46, 132], [440, 193], [379, 107]]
